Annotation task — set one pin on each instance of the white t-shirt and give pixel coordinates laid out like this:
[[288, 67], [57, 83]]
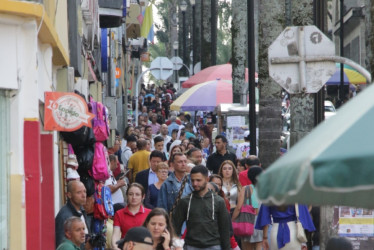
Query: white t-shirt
[[85, 224], [117, 196]]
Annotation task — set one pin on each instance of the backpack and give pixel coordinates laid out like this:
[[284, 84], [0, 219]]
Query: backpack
[[103, 207], [100, 163], [100, 121]]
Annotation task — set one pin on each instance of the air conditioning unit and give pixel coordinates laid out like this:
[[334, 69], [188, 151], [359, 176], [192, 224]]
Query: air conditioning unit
[[88, 10], [65, 79]]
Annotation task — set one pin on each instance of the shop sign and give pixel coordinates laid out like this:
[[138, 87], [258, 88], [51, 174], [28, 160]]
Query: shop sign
[[65, 112]]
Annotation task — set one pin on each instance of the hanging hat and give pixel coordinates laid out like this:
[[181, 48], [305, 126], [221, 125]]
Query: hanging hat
[[72, 161], [72, 174]]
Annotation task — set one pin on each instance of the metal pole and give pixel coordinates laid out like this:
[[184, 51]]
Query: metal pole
[[176, 71], [194, 52], [319, 20], [341, 88], [185, 59], [251, 76], [137, 94]]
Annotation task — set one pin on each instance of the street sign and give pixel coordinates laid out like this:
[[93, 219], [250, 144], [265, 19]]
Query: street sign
[[298, 59], [118, 73], [161, 68], [177, 62]]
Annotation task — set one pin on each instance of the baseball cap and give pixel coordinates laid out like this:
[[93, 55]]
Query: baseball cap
[[136, 234], [246, 134]]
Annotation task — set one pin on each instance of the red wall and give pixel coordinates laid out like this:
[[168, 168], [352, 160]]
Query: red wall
[[47, 189], [31, 139], [38, 162]]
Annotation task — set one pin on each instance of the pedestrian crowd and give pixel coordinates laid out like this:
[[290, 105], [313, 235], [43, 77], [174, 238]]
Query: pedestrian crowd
[[174, 186]]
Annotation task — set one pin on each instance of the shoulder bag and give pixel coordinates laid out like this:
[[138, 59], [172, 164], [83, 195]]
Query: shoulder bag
[[243, 225]]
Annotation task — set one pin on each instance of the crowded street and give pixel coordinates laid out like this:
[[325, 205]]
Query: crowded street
[[186, 125]]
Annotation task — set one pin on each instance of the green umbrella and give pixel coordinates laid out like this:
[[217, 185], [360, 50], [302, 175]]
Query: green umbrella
[[333, 165]]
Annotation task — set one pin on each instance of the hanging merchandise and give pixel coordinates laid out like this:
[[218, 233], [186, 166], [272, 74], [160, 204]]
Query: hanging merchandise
[[100, 163], [79, 137], [100, 122], [85, 156], [89, 184], [103, 202]]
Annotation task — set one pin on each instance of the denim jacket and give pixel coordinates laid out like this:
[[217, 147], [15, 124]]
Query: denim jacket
[[169, 191]]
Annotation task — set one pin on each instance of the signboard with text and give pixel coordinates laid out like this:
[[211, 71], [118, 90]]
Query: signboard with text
[[65, 112]]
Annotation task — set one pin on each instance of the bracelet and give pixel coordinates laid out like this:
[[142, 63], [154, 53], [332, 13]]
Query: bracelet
[[265, 238]]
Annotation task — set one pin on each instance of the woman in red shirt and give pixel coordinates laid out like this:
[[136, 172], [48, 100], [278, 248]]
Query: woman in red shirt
[[133, 215]]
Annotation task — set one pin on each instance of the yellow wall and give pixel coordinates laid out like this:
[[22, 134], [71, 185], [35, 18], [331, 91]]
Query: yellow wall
[[17, 213], [61, 24]]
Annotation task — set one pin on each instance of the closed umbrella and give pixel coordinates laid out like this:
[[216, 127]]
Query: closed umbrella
[[222, 71], [333, 165], [204, 97]]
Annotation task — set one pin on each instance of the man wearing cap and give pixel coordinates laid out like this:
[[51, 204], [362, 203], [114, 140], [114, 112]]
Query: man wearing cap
[[137, 238], [243, 148]]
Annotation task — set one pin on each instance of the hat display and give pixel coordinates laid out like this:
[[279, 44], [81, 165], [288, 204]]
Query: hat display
[[72, 174], [72, 161], [136, 234]]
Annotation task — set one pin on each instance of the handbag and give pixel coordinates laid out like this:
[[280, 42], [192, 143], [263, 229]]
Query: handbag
[[243, 225], [300, 233]]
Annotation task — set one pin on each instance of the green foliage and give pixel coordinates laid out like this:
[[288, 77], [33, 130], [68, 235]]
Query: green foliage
[[162, 30], [223, 30]]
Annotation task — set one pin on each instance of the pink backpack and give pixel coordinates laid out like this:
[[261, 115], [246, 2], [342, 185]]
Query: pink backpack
[[100, 122], [100, 163]]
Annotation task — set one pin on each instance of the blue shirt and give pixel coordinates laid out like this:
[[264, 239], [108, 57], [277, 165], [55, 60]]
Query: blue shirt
[[172, 126], [282, 217], [151, 197], [152, 177]]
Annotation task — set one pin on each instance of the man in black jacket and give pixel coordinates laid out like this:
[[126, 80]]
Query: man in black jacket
[[76, 193], [222, 154], [149, 176], [206, 215]]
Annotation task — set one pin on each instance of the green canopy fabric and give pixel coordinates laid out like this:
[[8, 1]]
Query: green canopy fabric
[[333, 165]]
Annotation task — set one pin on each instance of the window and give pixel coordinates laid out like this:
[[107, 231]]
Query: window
[[4, 169]]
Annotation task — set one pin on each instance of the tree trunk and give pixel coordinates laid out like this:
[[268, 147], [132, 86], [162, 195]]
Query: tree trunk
[[369, 34], [271, 24], [239, 49], [206, 35], [302, 105]]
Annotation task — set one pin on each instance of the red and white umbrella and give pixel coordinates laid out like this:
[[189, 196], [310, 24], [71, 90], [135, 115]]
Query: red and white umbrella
[[223, 72]]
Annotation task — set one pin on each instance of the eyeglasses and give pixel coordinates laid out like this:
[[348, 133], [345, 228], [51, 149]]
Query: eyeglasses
[[163, 171]]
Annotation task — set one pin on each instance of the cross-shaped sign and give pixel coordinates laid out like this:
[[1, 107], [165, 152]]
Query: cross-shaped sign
[[299, 59]]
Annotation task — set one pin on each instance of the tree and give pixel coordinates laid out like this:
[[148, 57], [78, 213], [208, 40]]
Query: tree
[[271, 24], [369, 34], [302, 105], [239, 48], [206, 34]]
